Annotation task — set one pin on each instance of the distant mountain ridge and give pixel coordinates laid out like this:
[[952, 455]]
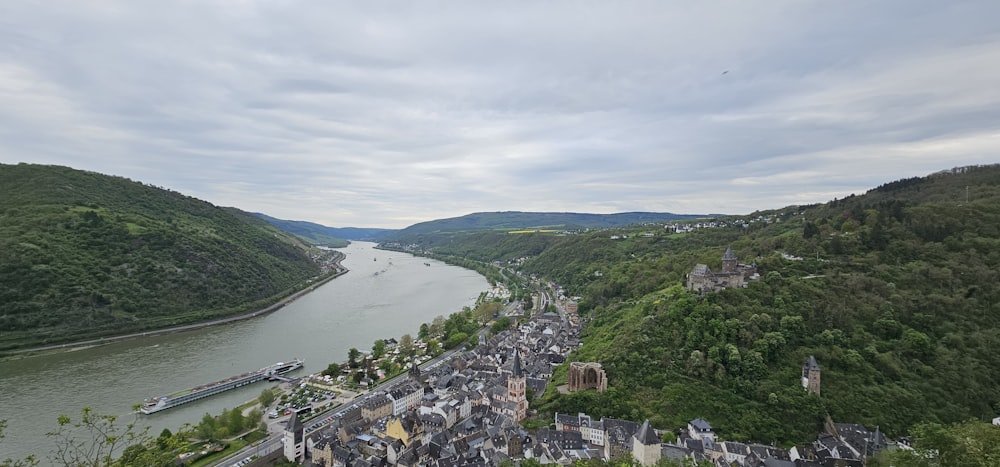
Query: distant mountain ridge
[[319, 234], [536, 220], [322, 235]]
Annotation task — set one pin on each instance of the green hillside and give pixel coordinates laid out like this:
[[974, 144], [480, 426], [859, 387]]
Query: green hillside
[[85, 255], [894, 292]]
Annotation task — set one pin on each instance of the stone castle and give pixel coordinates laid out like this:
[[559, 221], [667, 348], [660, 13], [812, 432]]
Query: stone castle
[[702, 279]]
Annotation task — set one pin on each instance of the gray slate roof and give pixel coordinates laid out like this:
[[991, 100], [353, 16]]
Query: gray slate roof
[[647, 435]]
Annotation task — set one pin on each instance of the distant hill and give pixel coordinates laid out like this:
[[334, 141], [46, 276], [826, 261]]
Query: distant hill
[[85, 255], [318, 234], [535, 220]]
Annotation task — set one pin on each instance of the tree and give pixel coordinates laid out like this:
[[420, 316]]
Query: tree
[[378, 349], [266, 397], [406, 345], [206, 429], [352, 357], [500, 325], [424, 332], [235, 421], [456, 339], [332, 369], [387, 366], [485, 311], [94, 439], [969, 444], [433, 347], [809, 230], [437, 326]]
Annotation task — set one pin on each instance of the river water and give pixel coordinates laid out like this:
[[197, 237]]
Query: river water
[[385, 294]]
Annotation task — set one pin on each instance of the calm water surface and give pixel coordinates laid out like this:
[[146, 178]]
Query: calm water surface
[[350, 311]]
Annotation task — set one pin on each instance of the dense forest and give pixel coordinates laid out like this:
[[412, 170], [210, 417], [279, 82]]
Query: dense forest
[[892, 291], [85, 255]]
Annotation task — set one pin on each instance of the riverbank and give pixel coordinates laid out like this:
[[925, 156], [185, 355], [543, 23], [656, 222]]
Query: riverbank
[[89, 343]]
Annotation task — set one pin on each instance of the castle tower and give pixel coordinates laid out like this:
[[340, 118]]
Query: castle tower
[[646, 445], [729, 261], [295, 439], [516, 385], [810, 375]]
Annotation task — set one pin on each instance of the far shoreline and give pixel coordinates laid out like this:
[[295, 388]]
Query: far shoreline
[[17, 354]]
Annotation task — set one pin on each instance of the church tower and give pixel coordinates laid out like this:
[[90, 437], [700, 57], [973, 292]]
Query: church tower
[[516, 385], [729, 261], [414, 373]]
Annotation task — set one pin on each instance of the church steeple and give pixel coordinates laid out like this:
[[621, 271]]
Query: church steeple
[[414, 372], [516, 394], [516, 371]]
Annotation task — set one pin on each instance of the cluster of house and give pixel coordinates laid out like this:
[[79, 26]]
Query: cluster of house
[[684, 227], [467, 412], [498, 291], [844, 445], [328, 261]]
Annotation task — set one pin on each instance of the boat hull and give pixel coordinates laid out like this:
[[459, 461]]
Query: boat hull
[[152, 406]]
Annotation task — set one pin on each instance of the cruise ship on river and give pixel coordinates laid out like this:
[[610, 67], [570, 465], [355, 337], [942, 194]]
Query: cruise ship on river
[[272, 372]]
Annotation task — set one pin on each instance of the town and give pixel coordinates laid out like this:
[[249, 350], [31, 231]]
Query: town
[[467, 408]]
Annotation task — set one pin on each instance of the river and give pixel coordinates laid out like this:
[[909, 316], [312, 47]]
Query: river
[[385, 294]]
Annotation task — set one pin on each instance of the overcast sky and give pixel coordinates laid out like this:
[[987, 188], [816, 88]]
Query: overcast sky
[[384, 114]]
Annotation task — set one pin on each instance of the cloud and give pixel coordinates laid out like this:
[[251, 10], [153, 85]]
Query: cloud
[[390, 113]]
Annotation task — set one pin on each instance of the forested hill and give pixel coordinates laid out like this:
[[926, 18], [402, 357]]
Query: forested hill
[[895, 292], [510, 220], [85, 255]]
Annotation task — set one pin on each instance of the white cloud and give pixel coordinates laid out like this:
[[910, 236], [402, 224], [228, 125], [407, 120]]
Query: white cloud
[[386, 114]]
